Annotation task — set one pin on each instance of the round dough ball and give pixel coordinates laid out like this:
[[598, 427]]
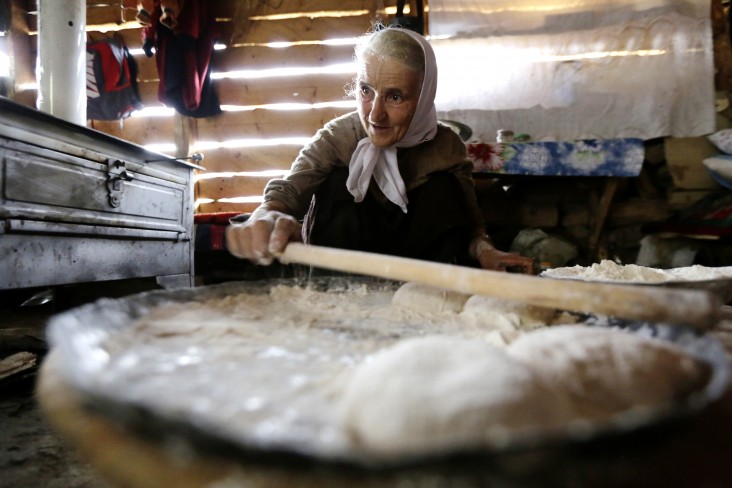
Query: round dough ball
[[606, 371], [434, 394], [428, 299], [508, 314]]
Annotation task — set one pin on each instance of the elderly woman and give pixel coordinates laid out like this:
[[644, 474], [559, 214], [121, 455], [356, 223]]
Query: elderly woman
[[386, 179]]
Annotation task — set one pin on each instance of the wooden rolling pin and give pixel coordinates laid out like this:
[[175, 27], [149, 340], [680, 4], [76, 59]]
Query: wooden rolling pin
[[694, 308]]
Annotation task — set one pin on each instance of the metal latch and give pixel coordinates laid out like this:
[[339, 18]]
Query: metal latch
[[116, 176]]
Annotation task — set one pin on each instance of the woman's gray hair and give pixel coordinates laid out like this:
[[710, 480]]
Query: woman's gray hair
[[389, 43]]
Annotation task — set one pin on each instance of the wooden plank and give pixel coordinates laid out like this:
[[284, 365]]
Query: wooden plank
[[258, 57], [20, 18], [247, 57], [290, 89], [217, 207], [600, 214], [263, 57], [312, 6], [265, 124], [184, 131], [280, 30], [260, 158], [16, 364], [147, 69], [233, 9], [228, 125], [32, 16], [231, 187], [106, 13], [315, 88], [132, 37], [305, 29], [245, 19], [149, 93], [140, 130], [307, 89], [26, 97], [21, 51]]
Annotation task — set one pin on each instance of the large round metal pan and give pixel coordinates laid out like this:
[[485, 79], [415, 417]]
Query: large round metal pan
[[77, 337]]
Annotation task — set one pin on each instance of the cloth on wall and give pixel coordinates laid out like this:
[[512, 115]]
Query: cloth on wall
[[182, 53], [598, 69]]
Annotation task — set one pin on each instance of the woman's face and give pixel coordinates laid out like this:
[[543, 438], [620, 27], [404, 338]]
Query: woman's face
[[387, 93]]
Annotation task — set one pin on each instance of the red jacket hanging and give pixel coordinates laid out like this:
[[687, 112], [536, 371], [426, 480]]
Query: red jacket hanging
[[182, 54]]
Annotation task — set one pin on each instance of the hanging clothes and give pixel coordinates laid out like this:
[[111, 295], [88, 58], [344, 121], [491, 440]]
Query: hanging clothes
[[170, 9], [183, 54]]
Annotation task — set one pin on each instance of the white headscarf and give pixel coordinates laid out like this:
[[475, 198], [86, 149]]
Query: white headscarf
[[381, 163]]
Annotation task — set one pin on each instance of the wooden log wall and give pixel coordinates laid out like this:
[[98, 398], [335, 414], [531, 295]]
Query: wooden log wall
[[253, 103], [240, 156], [256, 136], [238, 170]]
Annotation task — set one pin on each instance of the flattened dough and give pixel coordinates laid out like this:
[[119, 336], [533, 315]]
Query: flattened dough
[[428, 299], [606, 371], [431, 394], [509, 313]]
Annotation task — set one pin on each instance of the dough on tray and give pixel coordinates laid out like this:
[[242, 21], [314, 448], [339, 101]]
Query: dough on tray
[[606, 371], [347, 372], [428, 395], [428, 299], [511, 313]]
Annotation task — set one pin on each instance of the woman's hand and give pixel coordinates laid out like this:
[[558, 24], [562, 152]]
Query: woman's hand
[[265, 234], [492, 259]]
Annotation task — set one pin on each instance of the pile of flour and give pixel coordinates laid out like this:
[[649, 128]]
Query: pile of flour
[[609, 271]]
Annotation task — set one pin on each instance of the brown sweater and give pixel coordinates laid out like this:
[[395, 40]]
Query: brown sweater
[[333, 146]]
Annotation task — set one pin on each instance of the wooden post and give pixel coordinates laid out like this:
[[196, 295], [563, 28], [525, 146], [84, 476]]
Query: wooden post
[[598, 222], [181, 135], [22, 81]]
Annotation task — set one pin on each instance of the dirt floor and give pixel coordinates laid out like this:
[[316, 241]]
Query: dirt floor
[[31, 454]]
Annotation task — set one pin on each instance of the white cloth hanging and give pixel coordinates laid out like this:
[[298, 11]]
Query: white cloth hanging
[[575, 70]]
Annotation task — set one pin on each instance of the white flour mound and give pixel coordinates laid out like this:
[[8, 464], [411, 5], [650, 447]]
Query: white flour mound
[[607, 270]]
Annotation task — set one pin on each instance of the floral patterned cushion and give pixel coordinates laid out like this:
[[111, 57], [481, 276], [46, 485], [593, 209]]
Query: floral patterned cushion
[[592, 157]]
